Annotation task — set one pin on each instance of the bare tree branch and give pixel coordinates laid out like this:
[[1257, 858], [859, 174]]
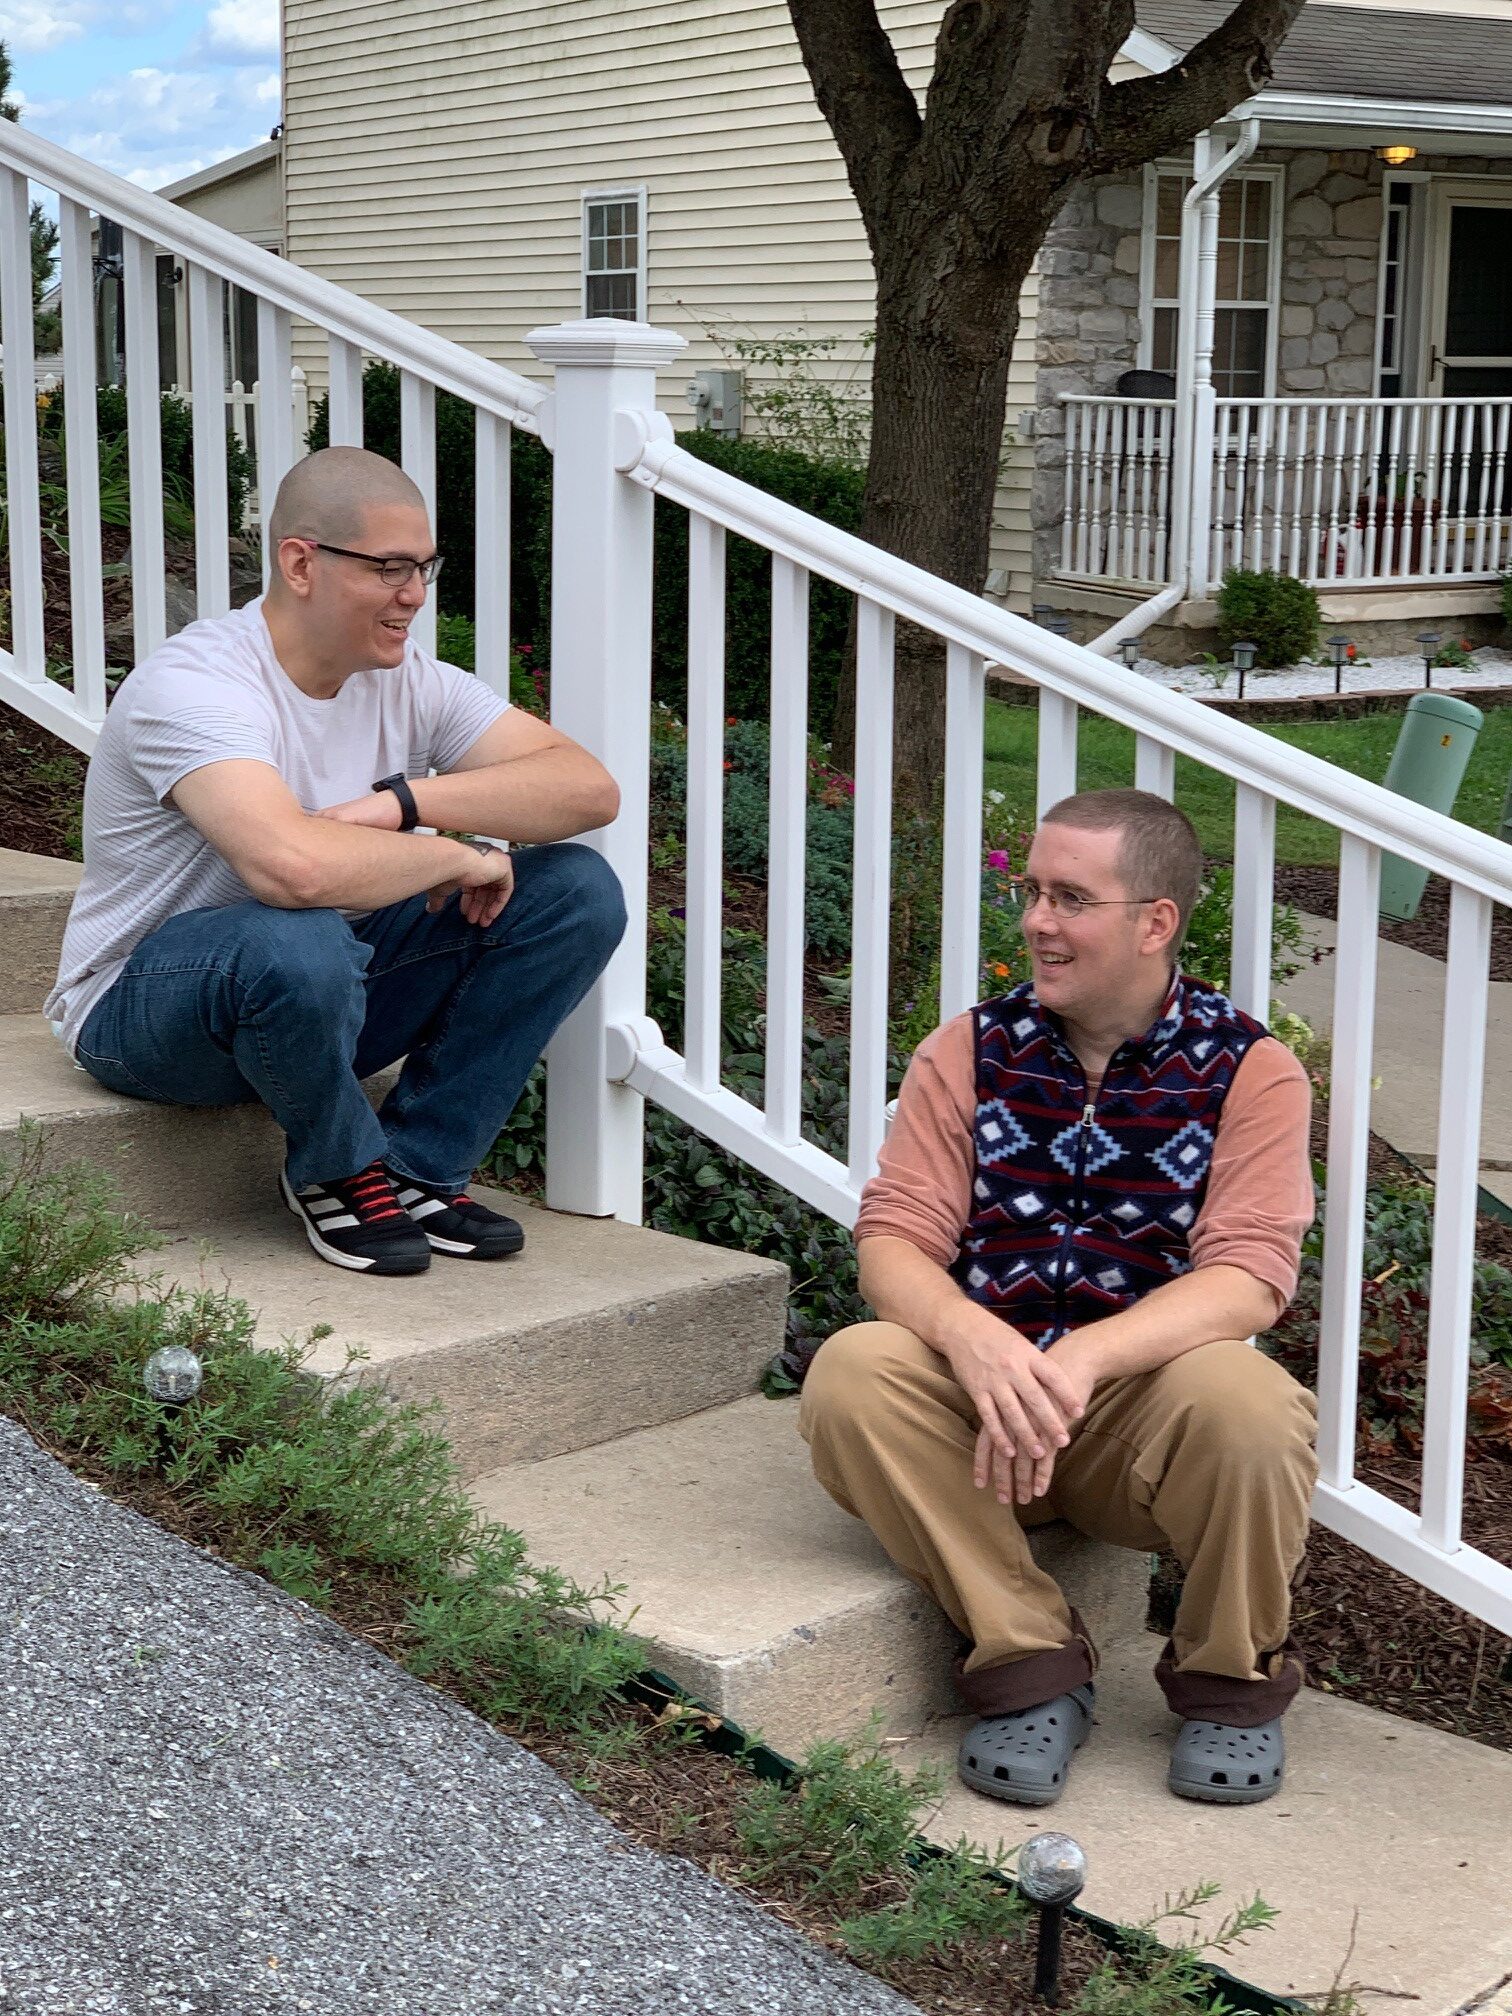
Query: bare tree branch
[[1147, 115], [862, 92]]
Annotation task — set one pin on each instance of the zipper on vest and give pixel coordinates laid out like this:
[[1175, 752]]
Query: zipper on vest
[[1078, 1205]]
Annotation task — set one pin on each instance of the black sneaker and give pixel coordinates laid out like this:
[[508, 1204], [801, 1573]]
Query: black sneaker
[[459, 1225], [359, 1223]]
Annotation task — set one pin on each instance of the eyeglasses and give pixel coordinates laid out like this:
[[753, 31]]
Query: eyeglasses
[[1024, 894], [394, 570]]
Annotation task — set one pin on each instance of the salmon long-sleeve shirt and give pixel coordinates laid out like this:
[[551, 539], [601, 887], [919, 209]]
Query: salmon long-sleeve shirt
[[1259, 1200]]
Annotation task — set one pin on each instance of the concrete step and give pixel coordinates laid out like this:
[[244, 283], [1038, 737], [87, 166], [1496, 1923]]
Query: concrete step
[[1407, 1826], [752, 1588], [595, 1329], [35, 893]]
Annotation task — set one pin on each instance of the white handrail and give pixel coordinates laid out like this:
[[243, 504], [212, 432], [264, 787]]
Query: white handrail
[[1247, 754], [345, 315]]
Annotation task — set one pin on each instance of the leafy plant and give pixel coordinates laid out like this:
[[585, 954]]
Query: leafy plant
[[1218, 671], [1152, 1979], [1275, 612], [806, 392], [1455, 654]]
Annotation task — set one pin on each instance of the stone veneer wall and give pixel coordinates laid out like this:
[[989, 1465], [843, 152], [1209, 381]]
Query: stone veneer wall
[[1089, 296]]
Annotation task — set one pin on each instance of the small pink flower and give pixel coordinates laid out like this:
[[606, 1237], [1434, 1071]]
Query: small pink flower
[[999, 860]]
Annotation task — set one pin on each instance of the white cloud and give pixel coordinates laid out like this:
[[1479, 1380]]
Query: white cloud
[[240, 31], [155, 126], [36, 24]]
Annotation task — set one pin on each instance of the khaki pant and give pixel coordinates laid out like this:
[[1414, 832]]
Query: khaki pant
[[1211, 1455]]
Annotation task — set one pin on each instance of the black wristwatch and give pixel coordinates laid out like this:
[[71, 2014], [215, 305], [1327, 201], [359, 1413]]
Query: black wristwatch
[[409, 811]]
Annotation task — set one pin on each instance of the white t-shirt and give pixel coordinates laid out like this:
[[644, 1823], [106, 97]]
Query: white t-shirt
[[213, 692]]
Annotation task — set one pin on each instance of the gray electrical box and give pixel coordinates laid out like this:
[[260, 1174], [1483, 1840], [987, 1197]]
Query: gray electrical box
[[715, 399]]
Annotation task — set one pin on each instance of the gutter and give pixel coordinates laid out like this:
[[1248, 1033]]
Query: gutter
[[1194, 384]]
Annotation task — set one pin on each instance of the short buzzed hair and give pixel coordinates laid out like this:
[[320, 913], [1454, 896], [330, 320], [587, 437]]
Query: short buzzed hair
[[1160, 854], [328, 495]]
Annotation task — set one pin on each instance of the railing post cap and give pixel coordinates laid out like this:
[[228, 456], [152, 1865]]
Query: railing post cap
[[604, 340]]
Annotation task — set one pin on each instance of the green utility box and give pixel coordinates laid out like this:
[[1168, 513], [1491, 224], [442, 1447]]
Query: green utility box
[[1428, 765]]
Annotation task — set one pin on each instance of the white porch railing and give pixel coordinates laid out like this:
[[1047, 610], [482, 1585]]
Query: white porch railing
[[1363, 491], [1338, 492], [1116, 522], [613, 455]]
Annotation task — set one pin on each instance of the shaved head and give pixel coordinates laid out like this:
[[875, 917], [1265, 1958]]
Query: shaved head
[[329, 495]]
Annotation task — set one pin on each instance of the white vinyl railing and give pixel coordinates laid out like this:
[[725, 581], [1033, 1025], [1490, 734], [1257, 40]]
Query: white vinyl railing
[[614, 458], [1338, 492], [1363, 491], [1116, 518], [349, 331]]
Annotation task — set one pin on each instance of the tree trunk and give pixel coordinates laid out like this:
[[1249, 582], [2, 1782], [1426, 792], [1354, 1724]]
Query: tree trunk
[[939, 392]]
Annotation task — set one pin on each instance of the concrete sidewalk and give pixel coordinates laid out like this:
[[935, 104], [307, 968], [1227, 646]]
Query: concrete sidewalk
[[214, 1800], [1409, 1037]]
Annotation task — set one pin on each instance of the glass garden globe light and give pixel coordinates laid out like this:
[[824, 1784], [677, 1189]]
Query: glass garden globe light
[[1051, 1869], [172, 1375]]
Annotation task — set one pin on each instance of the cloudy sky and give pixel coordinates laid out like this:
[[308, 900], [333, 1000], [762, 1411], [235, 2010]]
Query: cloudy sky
[[152, 89]]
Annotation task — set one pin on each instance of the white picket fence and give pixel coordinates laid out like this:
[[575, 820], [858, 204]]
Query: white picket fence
[[1338, 492], [614, 455]]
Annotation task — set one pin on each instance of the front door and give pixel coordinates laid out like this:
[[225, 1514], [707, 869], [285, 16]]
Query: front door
[[1471, 320]]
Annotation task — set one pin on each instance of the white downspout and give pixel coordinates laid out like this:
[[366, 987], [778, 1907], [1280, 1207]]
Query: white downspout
[[1192, 447]]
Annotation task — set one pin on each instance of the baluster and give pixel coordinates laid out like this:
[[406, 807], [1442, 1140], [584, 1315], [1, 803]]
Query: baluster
[[23, 497], [1499, 521], [1401, 426], [1154, 767], [1098, 530], [1163, 498], [1483, 431], [1146, 447], [1465, 426], [1219, 505], [1068, 507], [1353, 1037], [207, 393], [1084, 485], [144, 444], [961, 904], [275, 414], [1444, 462], [1299, 492], [1242, 499], [1364, 513], [1408, 556], [704, 892], [1456, 1179], [491, 557], [1057, 750], [786, 847], [872, 873], [417, 457], [1323, 560], [1279, 509], [1334, 535], [81, 439], [344, 363], [1254, 899], [1264, 421]]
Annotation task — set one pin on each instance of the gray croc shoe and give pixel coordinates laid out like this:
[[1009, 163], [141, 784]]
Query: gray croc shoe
[[1024, 1757], [1225, 1765]]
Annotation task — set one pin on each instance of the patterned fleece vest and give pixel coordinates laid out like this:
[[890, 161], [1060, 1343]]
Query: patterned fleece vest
[[1080, 1207]]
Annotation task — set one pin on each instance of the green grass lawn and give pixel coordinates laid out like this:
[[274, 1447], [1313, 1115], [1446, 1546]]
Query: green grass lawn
[[1363, 745]]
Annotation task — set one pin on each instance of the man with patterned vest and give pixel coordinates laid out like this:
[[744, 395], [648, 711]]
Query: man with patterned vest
[[1093, 1195]]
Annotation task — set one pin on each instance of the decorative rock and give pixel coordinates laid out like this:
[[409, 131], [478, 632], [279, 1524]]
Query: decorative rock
[[1335, 315], [1295, 351], [1358, 340], [1121, 203], [1126, 258], [1301, 287], [1308, 217], [1057, 322], [1356, 270], [1341, 188], [1307, 380], [1123, 291], [1323, 347], [1360, 219], [1363, 298], [1306, 172], [1296, 320], [1350, 374], [1103, 322]]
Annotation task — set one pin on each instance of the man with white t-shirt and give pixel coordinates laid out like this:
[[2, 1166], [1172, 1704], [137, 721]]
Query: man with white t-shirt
[[260, 919]]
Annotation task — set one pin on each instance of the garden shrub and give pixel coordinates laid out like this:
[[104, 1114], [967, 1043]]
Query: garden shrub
[[177, 423], [1277, 614], [1506, 598]]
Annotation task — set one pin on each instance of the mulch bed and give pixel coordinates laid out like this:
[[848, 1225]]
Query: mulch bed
[[41, 789], [1317, 890]]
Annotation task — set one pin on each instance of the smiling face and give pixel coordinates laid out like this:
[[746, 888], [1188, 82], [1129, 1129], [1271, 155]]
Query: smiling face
[[359, 620], [1102, 966]]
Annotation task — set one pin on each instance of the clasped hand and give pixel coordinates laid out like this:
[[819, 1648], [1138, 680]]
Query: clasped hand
[[486, 887], [1026, 1401]]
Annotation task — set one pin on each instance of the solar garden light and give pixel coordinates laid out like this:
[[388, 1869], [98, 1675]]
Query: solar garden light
[[1058, 626], [1051, 1871], [1340, 649], [1129, 652], [1244, 661], [1430, 641], [1040, 610], [172, 1377]]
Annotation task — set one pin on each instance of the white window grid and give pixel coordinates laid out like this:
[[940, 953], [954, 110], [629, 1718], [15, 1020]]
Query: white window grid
[[1240, 297], [614, 252]]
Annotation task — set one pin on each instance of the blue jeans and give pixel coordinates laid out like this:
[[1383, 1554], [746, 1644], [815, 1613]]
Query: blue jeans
[[297, 1007]]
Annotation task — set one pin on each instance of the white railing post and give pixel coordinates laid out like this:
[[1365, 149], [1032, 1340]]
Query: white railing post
[[596, 426]]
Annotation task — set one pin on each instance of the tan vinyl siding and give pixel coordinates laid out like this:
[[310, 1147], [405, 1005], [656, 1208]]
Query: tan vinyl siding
[[436, 155]]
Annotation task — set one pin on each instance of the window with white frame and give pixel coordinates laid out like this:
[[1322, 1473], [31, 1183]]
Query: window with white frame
[[614, 253], [1249, 274]]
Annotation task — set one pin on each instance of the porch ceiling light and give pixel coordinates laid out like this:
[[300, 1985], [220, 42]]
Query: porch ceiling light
[[1397, 157]]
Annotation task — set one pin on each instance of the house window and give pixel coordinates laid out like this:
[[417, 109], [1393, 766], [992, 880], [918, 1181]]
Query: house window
[[1249, 244], [614, 254], [1395, 241]]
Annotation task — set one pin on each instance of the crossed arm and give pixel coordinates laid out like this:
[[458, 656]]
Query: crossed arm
[[521, 780]]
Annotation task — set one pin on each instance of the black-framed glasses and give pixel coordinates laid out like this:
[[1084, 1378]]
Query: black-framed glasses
[[394, 570], [1024, 894]]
